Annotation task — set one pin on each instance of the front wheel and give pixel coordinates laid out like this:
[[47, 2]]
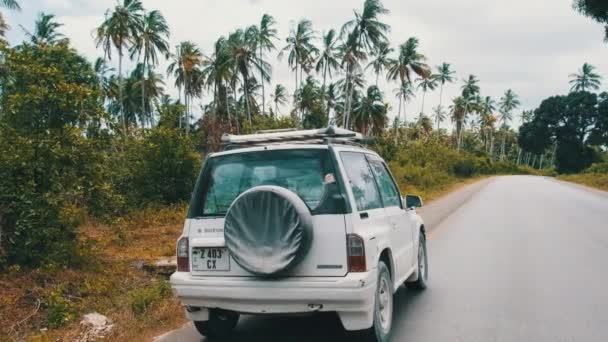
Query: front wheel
[[423, 266], [221, 324], [383, 310]]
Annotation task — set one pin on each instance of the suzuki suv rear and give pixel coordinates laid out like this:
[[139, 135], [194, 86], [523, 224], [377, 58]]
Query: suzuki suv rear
[[271, 230]]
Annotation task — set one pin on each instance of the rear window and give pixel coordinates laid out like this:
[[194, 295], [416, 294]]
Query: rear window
[[307, 172]]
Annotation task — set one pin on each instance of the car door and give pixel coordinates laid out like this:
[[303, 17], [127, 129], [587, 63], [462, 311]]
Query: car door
[[402, 230]]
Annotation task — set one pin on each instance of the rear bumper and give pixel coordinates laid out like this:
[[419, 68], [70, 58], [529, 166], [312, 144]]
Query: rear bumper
[[352, 296]]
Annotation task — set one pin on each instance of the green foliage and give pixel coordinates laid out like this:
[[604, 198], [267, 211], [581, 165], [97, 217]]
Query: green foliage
[[60, 310], [573, 122], [47, 181], [142, 299], [158, 166], [49, 86]]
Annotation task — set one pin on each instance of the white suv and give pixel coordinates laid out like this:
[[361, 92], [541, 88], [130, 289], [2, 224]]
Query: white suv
[[298, 222]]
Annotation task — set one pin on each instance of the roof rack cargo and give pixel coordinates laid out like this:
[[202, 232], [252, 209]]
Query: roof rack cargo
[[326, 135]]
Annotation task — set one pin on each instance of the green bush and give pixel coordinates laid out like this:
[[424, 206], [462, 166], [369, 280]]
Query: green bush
[[47, 180], [59, 310], [157, 167], [597, 168], [142, 299]]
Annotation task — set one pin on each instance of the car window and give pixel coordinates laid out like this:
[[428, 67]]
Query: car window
[[388, 190], [361, 180], [304, 172]]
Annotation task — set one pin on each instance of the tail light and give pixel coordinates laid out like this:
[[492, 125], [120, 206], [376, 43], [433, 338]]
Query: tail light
[[356, 253], [183, 259]]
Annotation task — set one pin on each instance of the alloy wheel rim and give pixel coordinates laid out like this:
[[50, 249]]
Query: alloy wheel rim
[[385, 304], [422, 261]]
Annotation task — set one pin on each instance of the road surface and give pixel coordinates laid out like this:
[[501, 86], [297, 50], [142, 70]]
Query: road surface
[[515, 258]]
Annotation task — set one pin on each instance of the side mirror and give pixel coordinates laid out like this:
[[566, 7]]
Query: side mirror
[[413, 201]]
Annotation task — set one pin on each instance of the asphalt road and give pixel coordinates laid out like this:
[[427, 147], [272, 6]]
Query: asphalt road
[[514, 258]]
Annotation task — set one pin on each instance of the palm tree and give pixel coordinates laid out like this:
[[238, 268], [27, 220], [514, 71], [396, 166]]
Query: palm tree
[[586, 79], [439, 115], [10, 4], [218, 74], [404, 93], [185, 69], [426, 84], [409, 62], [331, 98], [153, 38], [508, 103], [364, 34], [458, 115], [370, 112], [527, 116], [242, 54], [381, 59], [265, 34], [102, 69], [279, 97], [119, 30], [470, 91], [444, 75], [45, 30], [487, 106], [299, 46]]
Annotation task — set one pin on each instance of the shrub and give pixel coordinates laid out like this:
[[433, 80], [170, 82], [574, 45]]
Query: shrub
[[46, 182], [142, 299], [158, 167], [60, 310]]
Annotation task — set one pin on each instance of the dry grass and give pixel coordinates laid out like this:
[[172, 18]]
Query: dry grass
[[433, 194], [594, 180], [110, 281]]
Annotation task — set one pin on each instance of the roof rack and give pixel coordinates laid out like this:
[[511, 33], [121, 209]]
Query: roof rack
[[327, 135]]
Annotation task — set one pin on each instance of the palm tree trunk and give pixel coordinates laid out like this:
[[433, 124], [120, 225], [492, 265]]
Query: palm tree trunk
[[377, 76], [502, 148], [440, 94], [122, 111], [542, 156], [246, 86], [422, 108], [143, 90], [518, 155], [262, 80]]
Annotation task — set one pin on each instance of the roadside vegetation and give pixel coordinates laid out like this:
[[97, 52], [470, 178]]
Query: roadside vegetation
[[97, 163]]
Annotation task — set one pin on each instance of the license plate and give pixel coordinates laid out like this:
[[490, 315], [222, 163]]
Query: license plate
[[210, 259]]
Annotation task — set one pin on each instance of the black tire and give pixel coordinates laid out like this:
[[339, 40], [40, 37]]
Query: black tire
[[221, 324], [423, 266], [379, 332]]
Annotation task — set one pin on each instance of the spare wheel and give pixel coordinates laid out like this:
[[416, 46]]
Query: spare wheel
[[268, 230]]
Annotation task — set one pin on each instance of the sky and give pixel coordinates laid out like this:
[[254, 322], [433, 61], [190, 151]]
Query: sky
[[530, 46]]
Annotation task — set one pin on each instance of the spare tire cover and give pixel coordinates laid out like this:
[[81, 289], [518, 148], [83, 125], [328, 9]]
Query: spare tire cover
[[268, 230]]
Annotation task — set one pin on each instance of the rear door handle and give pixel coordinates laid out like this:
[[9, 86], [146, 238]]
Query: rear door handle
[[364, 216]]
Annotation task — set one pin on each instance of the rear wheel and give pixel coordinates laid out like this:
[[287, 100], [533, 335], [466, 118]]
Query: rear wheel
[[221, 324], [383, 310], [423, 266]]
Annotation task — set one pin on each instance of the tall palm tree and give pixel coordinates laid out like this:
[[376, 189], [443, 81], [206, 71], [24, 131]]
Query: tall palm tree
[[331, 98], [266, 33], [444, 75], [299, 46], [426, 84], [328, 58], [218, 74], [404, 93], [279, 97], [45, 30], [242, 54], [527, 116], [153, 38], [118, 30], [470, 91], [487, 106], [409, 62], [439, 115], [458, 115], [370, 112], [508, 102], [102, 69], [184, 67], [586, 79], [364, 34], [381, 59]]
